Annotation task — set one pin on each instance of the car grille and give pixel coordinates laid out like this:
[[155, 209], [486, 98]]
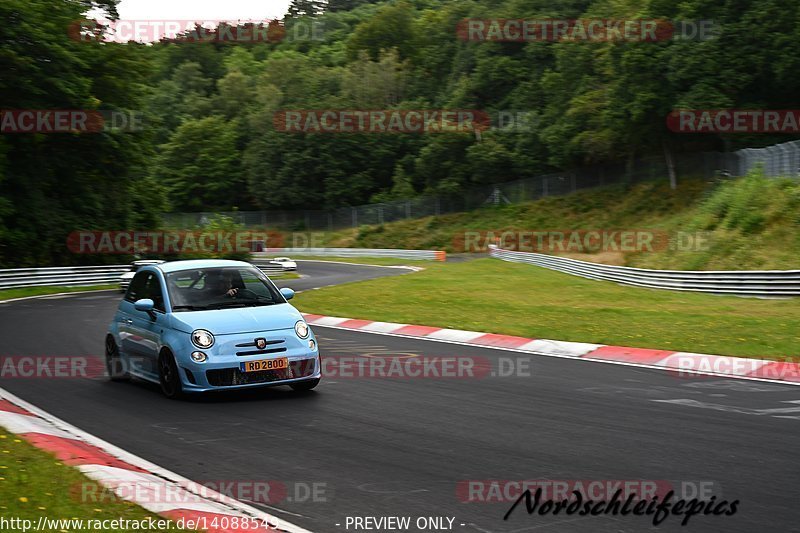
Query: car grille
[[229, 377], [272, 347]]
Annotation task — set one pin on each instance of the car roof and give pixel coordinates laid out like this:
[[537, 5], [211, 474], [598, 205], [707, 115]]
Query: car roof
[[177, 266], [142, 262]]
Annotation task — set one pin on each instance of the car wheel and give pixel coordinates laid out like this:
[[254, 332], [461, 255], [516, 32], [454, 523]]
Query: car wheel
[[304, 386], [114, 364], [168, 376]]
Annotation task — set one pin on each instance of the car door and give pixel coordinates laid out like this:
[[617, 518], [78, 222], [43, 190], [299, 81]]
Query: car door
[[147, 328], [130, 339]]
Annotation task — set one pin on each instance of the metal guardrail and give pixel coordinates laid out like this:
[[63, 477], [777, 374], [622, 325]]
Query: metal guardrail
[[431, 255], [756, 283], [61, 276], [82, 276]]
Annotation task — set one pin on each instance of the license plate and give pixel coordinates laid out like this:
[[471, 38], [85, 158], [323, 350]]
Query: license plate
[[264, 364]]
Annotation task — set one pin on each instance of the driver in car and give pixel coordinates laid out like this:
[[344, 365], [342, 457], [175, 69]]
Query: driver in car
[[221, 283]]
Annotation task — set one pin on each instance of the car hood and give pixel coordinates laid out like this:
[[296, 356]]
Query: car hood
[[238, 319]]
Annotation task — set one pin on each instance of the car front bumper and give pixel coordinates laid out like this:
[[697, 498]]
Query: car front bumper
[[222, 369], [221, 376]]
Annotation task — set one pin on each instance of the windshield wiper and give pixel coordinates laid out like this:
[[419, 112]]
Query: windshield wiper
[[222, 305], [241, 303], [190, 307]]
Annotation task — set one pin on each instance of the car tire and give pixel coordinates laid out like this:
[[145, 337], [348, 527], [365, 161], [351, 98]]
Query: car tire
[[168, 377], [114, 363], [305, 386]]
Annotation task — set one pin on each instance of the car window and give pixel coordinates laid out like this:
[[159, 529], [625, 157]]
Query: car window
[[138, 287], [155, 293], [212, 288]]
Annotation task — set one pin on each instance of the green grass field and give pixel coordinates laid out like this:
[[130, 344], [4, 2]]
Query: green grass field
[[499, 297], [285, 275], [10, 294], [380, 261], [33, 484]]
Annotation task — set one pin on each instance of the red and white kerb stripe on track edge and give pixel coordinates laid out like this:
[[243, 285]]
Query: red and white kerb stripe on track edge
[[113, 467], [681, 363]]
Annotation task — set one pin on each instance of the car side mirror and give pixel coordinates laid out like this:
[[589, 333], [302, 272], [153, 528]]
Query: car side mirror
[[146, 305], [287, 293]]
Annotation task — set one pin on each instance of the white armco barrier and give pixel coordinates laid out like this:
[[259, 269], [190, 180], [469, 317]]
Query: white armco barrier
[[757, 283], [82, 276], [61, 276], [431, 255]]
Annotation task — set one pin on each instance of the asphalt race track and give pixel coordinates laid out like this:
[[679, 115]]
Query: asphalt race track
[[401, 446], [318, 274]]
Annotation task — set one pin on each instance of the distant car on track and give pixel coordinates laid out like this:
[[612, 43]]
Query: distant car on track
[[125, 279], [286, 263], [203, 325]]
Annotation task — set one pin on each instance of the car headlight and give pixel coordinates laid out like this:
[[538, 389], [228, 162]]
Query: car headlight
[[202, 338], [301, 328]]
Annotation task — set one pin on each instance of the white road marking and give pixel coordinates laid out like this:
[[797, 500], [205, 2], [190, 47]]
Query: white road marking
[[735, 409]]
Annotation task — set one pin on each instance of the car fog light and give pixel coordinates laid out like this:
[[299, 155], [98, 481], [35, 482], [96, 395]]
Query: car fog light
[[312, 345], [199, 357]]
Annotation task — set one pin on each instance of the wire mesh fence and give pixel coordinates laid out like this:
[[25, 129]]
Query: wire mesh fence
[[778, 160]]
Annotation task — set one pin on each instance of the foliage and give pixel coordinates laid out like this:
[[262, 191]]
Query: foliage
[[747, 223], [210, 142]]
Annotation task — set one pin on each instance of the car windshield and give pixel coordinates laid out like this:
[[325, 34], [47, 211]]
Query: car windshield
[[220, 288]]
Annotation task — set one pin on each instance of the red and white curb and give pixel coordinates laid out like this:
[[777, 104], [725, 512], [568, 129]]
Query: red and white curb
[[117, 470], [683, 362]]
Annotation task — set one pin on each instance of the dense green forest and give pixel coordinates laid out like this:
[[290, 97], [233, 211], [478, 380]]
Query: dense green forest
[[209, 142]]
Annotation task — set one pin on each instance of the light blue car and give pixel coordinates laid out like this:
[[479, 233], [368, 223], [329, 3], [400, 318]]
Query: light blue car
[[197, 326]]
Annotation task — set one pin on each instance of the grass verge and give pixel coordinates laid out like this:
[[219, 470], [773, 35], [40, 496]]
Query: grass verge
[[380, 261], [749, 223], [10, 294], [285, 275], [33, 484], [516, 299]]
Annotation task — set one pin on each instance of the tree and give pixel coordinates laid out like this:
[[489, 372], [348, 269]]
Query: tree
[[305, 8], [54, 184], [391, 27], [200, 166]]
